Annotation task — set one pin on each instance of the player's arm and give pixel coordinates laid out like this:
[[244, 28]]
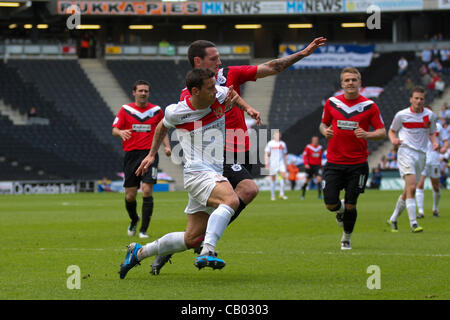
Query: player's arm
[[123, 134], [266, 159], [167, 147], [305, 159], [243, 105], [393, 137], [434, 141], [377, 134], [160, 133], [276, 66]]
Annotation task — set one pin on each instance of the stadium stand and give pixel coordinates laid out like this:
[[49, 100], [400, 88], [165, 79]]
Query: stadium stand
[[62, 149]]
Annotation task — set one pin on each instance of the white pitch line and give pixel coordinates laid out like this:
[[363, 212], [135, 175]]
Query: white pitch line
[[401, 254]]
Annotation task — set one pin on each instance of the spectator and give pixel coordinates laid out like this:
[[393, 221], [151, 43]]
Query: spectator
[[439, 86], [423, 70], [409, 85], [32, 112], [375, 181], [391, 159], [436, 53], [402, 65], [434, 79], [426, 79], [435, 65], [293, 171], [445, 58], [383, 165], [426, 55]]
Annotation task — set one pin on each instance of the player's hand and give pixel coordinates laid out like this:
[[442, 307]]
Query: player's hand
[[255, 115], [328, 133], [396, 142], [168, 151], [443, 150], [435, 146], [125, 134], [361, 133], [317, 42], [145, 164], [230, 98]]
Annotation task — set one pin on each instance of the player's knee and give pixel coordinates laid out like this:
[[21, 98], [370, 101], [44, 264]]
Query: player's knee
[[333, 207], [130, 197], [231, 199], [247, 190]]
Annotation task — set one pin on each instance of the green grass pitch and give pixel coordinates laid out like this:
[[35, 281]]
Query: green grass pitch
[[287, 250]]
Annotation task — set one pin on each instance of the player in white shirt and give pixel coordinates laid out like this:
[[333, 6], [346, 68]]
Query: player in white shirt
[[432, 170], [410, 131], [275, 159], [200, 120]]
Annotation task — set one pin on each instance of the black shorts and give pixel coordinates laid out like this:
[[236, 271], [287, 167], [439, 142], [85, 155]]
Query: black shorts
[[352, 178], [313, 171], [234, 170], [131, 162]]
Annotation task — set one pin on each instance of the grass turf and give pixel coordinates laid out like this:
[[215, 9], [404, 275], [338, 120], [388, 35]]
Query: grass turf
[[281, 250]]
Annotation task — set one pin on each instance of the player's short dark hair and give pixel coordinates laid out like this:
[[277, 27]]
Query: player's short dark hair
[[418, 89], [140, 82], [195, 77], [198, 49]]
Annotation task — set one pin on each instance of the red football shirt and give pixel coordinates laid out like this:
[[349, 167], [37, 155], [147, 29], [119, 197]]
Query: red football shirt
[[312, 155], [142, 122], [236, 134], [345, 116]]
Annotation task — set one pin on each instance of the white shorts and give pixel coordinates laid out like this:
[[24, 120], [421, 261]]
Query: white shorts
[[432, 171], [410, 161], [199, 186], [276, 167]]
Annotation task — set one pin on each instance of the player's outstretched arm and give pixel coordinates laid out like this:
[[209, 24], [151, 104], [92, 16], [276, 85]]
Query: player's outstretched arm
[[243, 105], [276, 66], [160, 133]]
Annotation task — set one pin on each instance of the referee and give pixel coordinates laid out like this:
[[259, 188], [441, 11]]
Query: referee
[[135, 124]]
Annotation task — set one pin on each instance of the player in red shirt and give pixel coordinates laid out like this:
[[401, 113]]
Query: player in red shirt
[[237, 166], [312, 160], [135, 124], [346, 121]]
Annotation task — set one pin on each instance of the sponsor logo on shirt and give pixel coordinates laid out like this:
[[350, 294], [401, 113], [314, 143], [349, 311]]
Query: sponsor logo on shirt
[[347, 125], [141, 127]]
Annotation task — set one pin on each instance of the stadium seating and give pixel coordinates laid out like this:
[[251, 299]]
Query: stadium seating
[[63, 149]]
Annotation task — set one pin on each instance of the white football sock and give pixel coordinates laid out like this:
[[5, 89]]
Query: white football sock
[[217, 223], [282, 187], [411, 208], [419, 199], [399, 207], [436, 198], [170, 243], [342, 208], [272, 188]]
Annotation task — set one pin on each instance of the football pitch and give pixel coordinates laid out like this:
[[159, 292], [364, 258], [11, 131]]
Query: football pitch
[[277, 250]]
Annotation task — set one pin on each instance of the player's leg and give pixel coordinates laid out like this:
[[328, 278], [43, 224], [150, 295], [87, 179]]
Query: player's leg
[[319, 185], [130, 206], [283, 179], [272, 187], [242, 182], [420, 195], [410, 191], [147, 208], [148, 180], [332, 184], [226, 201], [356, 179], [305, 185], [436, 190], [167, 245]]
